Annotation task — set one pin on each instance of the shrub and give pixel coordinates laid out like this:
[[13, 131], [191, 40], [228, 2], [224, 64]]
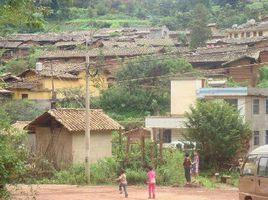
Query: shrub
[[135, 177], [171, 172], [105, 171], [12, 159]]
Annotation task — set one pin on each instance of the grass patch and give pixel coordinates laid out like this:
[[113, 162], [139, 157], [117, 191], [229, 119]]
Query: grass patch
[[107, 21]]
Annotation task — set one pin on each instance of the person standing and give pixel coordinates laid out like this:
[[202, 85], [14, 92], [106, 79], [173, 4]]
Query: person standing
[[196, 164], [123, 182], [151, 182], [187, 168]]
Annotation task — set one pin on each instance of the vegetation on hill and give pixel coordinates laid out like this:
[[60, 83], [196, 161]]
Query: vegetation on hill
[[62, 15]]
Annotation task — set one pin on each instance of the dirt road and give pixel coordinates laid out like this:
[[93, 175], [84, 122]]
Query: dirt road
[[67, 192]]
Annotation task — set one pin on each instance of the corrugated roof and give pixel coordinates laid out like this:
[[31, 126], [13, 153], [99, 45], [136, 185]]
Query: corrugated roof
[[74, 120]]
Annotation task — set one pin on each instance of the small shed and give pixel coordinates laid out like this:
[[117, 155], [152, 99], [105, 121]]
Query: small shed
[[137, 134], [60, 136]]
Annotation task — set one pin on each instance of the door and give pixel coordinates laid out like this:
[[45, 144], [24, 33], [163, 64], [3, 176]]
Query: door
[[247, 178], [262, 179]]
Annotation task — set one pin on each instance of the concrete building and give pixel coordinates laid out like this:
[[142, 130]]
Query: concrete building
[[183, 95], [252, 104], [60, 136], [250, 29]]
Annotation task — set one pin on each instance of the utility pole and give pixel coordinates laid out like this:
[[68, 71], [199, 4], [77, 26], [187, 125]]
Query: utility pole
[[87, 120], [53, 93]]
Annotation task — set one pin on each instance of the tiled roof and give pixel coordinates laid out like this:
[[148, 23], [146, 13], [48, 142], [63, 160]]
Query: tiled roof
[[221, 49], [74, 120], [244, 40], [107, 52], [20, 124], [68, 43], [154, 42], [9, 44], [29, 85]]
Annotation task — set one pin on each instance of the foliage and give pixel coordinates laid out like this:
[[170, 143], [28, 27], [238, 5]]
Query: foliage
[[143, 86], [12, 159], [263, 83], [20, 15], [232, 83], [75, 175], [219, 131], [5, 120], [200, 32], [21, 110]]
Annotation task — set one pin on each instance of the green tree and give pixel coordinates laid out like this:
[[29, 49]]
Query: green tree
[[20, 15], [219, 131], [21, 110], [143, 86], [200, 32]]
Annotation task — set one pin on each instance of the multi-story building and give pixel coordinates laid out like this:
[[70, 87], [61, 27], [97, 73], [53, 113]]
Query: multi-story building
[[251, 29], [252, 104]]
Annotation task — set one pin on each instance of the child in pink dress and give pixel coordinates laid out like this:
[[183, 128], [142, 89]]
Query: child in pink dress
[[151, 182]]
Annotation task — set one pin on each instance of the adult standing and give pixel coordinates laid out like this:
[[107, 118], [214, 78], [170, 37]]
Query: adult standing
[[196, 164]]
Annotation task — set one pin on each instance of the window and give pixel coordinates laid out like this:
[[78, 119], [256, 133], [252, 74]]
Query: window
[[260, 33], [248, 34], [254, 33], [231, 35], [167, 136], [256, 106], [256, 138], [263, 167], [266, 106], [242, 34], [232, 102], [249, 167], [24, 96], [266, 137], [236, 35]]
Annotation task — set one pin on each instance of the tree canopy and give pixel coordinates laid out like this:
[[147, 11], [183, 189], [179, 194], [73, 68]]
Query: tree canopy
[[219, 131]]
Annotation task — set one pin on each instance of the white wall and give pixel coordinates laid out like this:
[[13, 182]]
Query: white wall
[[100, 146], [183, 95]]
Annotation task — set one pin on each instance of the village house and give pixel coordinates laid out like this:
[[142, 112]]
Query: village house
[[252, 104], [60, 136], [38, 86], [111, 58], [251, 29], [15, 49]]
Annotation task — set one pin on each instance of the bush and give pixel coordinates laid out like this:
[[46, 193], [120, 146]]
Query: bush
[[171, 172], [105, 171], [21, 110], [135, 177], [12, 160]]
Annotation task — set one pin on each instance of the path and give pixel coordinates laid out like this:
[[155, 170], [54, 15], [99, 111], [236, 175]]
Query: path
[[68, 192]]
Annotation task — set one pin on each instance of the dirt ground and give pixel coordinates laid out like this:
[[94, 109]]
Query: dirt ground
[[68, 192]]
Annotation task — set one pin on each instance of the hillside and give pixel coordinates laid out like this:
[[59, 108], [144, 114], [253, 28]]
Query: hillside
[[67, 15]]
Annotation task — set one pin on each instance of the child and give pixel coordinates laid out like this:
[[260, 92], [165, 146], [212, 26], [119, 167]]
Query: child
[[123, 182], [151, 182], [196, 164], [187, 168]]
